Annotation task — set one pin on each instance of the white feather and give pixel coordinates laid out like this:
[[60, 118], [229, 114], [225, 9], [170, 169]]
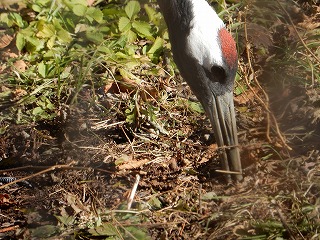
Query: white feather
[[202, 42]]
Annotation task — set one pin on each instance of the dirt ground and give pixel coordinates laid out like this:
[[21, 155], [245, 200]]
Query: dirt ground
[[85, 165]]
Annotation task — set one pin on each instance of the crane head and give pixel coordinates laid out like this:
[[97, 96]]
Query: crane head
[[206, 56], [213, 85]]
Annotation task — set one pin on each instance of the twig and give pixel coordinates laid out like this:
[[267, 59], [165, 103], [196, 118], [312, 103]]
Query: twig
[[37, 174], [228, 172], [8, 229], [200, 203], [131, 144], [25, 168], [133, 191], [104, 125]]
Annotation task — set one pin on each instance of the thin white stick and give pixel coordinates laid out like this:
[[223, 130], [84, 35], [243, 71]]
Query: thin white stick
[[133, 191], [103, 124]]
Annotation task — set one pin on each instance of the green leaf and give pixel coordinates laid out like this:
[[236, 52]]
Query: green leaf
[[49, 104], [130, 118], [56, 23], [106, 229], [36, 8], [45, 30], [66, 220], [112, 11], [153, 15], [42, 69], [41, 103], [64, 36], [44, 232], [5, 94], [79, 10], [4, 19], [151, 12], [37, 111], [131, 50], [43, 3], [95, 13], [95, 37], [155, 203], [121, 42], [238, 90], [3, 129], [209, 196], [34, 44], [195, 107], [127, 74], [121, 55], [143, 28], [131, 36], [49, 54], [105, 50], [138, 233], [124, 24], [156, 48], [20, 41], [132, 9], [51, 41], [16, 18]]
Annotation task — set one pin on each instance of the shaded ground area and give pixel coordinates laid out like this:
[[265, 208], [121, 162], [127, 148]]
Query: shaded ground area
[[81, 169]]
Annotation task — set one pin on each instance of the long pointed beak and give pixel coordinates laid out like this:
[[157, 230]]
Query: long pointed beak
[[222, 117]]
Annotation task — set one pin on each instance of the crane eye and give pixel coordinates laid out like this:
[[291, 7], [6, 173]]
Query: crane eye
[[219, 74], [216, 74]]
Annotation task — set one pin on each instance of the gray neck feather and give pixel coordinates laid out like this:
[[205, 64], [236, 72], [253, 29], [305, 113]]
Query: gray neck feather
[[177, 14]]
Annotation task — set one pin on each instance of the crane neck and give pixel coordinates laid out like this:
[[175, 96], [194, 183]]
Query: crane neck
[[177, 14]]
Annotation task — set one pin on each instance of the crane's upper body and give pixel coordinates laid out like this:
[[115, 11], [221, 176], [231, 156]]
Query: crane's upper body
[[197, 33]]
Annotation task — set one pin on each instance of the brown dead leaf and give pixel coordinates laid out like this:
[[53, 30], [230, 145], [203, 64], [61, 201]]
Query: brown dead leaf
[[107, 87], [18, 4], [133, 164], [126, 85], [129, 86], [5, 40], [213, 147], [5, 200], [149, 93], [90, 2], [259, 35], [11, 54], [311, 23], [173, 164], [75, 203], [316, 116], [18, 94], [246, 97], [2, 68], [20, 65]]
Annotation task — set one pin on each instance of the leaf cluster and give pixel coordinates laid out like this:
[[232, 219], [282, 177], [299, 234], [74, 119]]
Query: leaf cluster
[[67, 45]]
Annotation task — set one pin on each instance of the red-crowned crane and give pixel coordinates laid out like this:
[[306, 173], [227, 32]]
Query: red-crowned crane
[[206, 56]]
